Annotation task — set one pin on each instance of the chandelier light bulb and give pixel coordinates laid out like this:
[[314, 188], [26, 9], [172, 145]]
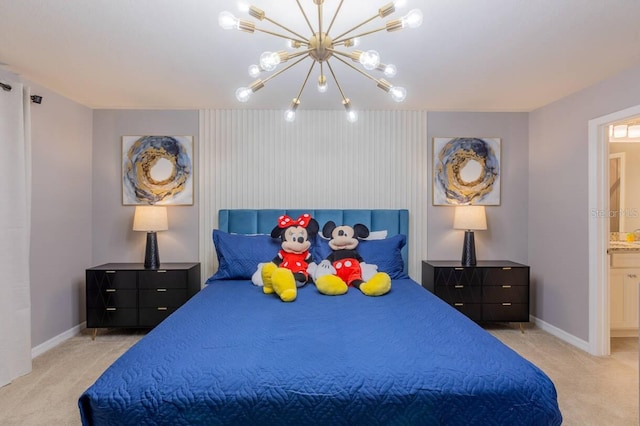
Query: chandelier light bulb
[[227, 21], [398, 94], [413, 19], [243, 94], [322, 84], [269, 61], [289, 116], [254, 71], [399, 3], [390, 70], [370, 59], [352, 116]]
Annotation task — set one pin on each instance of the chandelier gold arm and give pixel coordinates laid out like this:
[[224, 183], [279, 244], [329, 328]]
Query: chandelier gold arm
[[274, 75], [339, 40], [304, 83], [356, 68], [335, 15], [260, 15], [305, 17], [286, 37], [333, 74]]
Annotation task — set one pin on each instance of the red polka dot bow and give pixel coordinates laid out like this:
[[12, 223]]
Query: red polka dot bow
[[285, 221]]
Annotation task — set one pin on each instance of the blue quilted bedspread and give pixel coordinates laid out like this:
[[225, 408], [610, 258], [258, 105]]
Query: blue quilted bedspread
[[234, 356]]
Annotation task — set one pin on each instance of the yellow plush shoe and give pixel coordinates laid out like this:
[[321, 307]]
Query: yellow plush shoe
[[284, 284], [331, 285], [267, 272], [378, 285]]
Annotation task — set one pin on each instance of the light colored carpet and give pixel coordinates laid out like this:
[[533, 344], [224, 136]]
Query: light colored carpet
[[591, 390]]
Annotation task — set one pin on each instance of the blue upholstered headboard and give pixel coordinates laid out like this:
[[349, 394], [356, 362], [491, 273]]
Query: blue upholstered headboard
[[262, 221]]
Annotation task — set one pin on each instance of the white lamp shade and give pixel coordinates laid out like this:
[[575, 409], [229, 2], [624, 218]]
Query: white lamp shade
[[150, 219], [471, 218]]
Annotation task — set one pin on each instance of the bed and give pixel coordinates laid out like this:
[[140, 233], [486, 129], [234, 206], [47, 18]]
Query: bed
[[235, 356]]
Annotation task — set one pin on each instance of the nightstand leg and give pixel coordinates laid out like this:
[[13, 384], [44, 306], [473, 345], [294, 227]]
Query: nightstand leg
[[521, 328], [95, 332]]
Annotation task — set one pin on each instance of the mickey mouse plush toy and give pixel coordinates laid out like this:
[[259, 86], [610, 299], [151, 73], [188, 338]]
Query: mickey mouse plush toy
[[288, 269], [343, 267]]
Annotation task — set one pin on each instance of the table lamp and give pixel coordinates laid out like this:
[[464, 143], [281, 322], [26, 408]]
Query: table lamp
[[151, 219], [469, 218]]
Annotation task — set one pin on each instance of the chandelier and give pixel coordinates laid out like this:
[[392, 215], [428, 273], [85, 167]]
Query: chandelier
[[322, 48]]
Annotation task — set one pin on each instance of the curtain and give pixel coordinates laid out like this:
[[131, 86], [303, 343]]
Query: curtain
[[15, 225]]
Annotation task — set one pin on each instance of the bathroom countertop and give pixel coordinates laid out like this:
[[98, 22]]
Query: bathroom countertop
[[623, 247]]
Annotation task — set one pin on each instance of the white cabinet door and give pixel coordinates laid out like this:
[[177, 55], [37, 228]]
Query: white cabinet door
[[623, 293]]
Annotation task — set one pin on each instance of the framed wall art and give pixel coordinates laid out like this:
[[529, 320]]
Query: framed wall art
[[157, 170], [466, 171]]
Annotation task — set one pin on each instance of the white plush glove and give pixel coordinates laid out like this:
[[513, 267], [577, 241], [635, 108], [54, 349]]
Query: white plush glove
[[324, 268], [368, 270], [256, 278]]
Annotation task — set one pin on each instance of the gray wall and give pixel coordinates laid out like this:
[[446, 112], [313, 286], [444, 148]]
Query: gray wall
[[112, 238], [61, 224], [558, 199], [506, 234]]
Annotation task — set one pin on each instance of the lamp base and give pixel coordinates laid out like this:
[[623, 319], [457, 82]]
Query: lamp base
[[151, 257], [469, 249]]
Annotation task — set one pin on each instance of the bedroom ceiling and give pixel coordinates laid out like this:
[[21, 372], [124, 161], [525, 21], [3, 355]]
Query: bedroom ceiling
[[471, 55]]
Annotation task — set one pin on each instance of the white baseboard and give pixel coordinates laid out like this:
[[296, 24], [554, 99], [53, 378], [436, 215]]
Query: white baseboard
[[561, 334], [55, 341]]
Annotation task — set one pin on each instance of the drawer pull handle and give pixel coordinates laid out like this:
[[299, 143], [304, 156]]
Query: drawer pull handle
[[112, 309], [459, 269], [506, 286], [458, 304], [162, 308], [109, 272], [110, 290], [458, 286], [161, 289], [506, 304], [162, 271], [506, 268]]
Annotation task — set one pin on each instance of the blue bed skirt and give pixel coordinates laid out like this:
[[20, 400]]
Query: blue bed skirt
[[234, 356]]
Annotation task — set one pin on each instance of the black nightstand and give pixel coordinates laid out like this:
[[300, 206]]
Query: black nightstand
[[491, 291], [128, 295]]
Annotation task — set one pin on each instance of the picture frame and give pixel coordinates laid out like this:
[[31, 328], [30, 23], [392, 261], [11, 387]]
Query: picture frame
[[157, 170], [466, 171]]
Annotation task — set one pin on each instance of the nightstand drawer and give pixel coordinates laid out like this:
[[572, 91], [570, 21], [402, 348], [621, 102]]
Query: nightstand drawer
[[506, 276], [112, 279], [457, 276], [459, 293], [150, 317], [111, 298], [112, 317], [505, 294], [164, 297], [162, 279], [471, 310], [517, 312]]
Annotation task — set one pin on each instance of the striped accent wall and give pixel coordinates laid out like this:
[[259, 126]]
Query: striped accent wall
[[254, 159]]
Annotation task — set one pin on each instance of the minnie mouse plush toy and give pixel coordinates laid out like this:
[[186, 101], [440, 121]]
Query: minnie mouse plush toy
[[288, 269]]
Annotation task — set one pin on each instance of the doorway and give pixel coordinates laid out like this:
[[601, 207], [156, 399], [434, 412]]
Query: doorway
[[599, 323]]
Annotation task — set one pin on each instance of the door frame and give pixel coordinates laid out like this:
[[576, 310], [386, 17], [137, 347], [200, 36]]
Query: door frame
[[599, 332]]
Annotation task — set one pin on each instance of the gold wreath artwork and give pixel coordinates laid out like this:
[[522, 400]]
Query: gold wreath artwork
[[466, 171], [157, 170]]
